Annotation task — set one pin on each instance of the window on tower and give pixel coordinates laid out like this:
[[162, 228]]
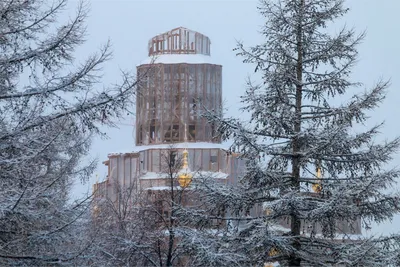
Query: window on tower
[[152, 133], [192, 132], [172, 158]]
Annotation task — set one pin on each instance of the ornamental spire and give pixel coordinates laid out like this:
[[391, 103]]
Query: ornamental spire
[[185, 177], [317, 187]]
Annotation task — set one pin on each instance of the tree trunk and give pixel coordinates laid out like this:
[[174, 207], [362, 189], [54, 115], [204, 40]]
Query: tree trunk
[[171, 240], [295, 221], [170, 248]]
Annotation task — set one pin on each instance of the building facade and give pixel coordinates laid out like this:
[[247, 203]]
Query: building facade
[[178, 81]]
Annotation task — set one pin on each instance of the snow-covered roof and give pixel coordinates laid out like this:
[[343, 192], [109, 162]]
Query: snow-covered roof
[[161, 188], [183, 145], [215, 175], [154, 175], [179, 58], [189, 145]]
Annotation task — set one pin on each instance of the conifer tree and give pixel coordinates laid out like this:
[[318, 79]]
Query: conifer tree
[[50, 107], [310, 163]]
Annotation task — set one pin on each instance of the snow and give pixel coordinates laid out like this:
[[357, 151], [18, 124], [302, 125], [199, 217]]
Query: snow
[[179, 58], [188, 145], [161, 188], [279, 228], [215, 175], [155, 175], [183, 145], [272, 264], [342, 236]]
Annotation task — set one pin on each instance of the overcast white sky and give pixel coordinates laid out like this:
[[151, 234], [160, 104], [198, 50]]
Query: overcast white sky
[[131, 23]]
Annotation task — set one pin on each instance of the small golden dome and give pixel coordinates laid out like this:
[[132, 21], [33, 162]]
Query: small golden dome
[[185, 177], [317, 187]]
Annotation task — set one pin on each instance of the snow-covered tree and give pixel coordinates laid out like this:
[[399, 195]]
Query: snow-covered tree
[[140, 228], [312, 160], [120, 228], [50, 106]]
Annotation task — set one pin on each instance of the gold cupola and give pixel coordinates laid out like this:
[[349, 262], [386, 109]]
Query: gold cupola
[[317, 187], [185, 176]]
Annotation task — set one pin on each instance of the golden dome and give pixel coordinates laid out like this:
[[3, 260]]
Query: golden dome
[[317, 187], [185, 177]]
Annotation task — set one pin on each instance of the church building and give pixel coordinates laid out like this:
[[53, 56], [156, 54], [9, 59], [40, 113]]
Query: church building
[[178, 81]]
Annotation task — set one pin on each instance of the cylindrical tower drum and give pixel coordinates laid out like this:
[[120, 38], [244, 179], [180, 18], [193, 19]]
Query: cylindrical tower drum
[[178, 82]]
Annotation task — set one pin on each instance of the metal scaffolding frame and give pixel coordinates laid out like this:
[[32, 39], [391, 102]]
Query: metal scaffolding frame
[[179, 41], [174, 95]]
